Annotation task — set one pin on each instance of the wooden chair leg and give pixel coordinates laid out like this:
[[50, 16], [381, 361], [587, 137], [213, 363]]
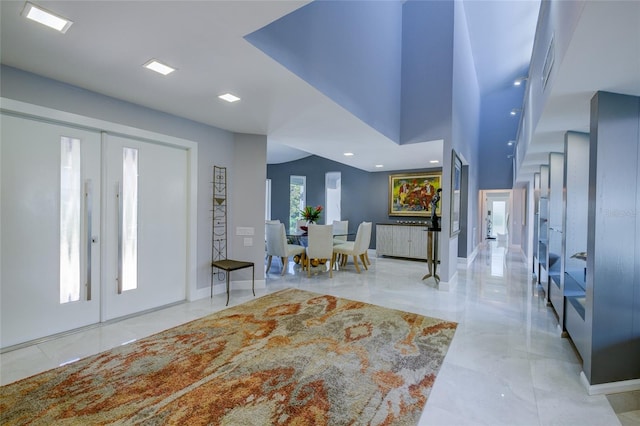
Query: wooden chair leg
[[331, 267], [355, 262], [269, 263], [366, 256], [364, 261]]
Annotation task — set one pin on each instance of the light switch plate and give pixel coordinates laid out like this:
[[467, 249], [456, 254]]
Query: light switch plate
[[245, 230]]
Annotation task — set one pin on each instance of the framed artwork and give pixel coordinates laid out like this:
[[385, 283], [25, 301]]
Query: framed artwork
[[410, 194], [456, 185]]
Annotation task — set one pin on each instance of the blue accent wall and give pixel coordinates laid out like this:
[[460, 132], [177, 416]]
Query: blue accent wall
[[364, 194], [465, 129], [427, 71]]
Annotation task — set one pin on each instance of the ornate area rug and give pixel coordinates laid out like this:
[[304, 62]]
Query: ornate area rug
[[288, 358]]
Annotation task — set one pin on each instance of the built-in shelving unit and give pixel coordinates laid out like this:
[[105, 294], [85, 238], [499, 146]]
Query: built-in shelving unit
[[596, 296], [576, 205], [555, 290], [543, 225], [536, 220]]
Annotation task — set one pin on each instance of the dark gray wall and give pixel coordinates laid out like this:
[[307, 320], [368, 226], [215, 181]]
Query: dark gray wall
[[612, 311], [364, 194]]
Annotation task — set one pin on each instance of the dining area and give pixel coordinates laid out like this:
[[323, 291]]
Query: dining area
[[316, 248]]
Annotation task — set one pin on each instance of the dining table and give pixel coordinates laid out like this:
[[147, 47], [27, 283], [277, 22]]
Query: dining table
[[301, 237]]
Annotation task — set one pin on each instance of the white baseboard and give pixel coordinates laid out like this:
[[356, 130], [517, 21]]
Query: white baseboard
[[449, 285], [221, 288], [611, 387], [465, 262]]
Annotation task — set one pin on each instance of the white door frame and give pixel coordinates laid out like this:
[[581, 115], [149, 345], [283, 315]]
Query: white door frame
[[486, 197]]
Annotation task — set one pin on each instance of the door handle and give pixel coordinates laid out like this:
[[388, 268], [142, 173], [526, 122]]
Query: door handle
[[120, 235], [88, 208]]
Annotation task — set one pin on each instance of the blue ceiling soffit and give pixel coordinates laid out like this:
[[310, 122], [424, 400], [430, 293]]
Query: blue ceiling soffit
[[351, 51]]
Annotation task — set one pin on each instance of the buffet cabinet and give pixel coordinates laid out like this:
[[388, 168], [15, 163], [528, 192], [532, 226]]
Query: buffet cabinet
[[402, 240]]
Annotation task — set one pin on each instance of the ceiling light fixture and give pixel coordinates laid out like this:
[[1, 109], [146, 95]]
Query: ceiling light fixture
[[515, 111], [519, 81], [229, 97], [379, 166], [44, 17], [510, 143], [434, 161], [348, 154], [159, 67]]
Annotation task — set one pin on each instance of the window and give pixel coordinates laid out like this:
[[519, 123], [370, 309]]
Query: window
[[70, 219], [267, 201], [333, 196], [129, 243], [297, 198]]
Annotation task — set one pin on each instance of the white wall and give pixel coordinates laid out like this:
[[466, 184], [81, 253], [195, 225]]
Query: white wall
[[246, 199]]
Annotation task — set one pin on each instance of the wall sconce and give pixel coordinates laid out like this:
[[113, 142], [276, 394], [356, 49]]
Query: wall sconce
[[518, 81]]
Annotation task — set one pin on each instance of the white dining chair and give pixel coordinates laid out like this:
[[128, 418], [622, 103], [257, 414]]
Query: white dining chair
[[320, 246], [277, 245], [357, 248], [340, 230]]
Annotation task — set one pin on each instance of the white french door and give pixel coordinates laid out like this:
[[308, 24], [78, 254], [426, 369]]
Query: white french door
[[49, 227], [146, 221], [66, 260]]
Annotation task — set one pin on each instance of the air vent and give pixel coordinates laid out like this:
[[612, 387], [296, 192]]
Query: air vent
[[548, 63]]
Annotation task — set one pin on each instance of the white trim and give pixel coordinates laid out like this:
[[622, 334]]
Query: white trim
[[449, 285], [75, 120], [611, 387], [465, 262]]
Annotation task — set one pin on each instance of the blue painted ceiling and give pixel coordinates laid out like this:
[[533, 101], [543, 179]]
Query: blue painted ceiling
[[365, 57]]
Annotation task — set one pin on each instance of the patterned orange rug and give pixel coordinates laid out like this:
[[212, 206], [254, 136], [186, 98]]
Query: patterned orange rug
[[288, 358]]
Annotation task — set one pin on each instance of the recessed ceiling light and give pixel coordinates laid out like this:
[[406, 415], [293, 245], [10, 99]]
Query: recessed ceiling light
[[510, 143], [515, 111], [159, 67], [44, 17], [434, 161], [229, 97], [348, 154], [379, 166]]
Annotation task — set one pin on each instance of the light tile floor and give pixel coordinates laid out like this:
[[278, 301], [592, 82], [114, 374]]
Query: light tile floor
[[507, 364]]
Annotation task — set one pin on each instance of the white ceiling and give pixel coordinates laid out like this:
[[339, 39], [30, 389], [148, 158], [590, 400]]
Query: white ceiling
[[109, 41]]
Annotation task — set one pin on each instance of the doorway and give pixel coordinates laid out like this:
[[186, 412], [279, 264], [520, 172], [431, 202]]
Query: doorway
[[496, 207]]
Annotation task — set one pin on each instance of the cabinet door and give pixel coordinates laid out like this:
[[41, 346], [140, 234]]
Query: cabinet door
[[418, 242], [402, 241], [384, 240]]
